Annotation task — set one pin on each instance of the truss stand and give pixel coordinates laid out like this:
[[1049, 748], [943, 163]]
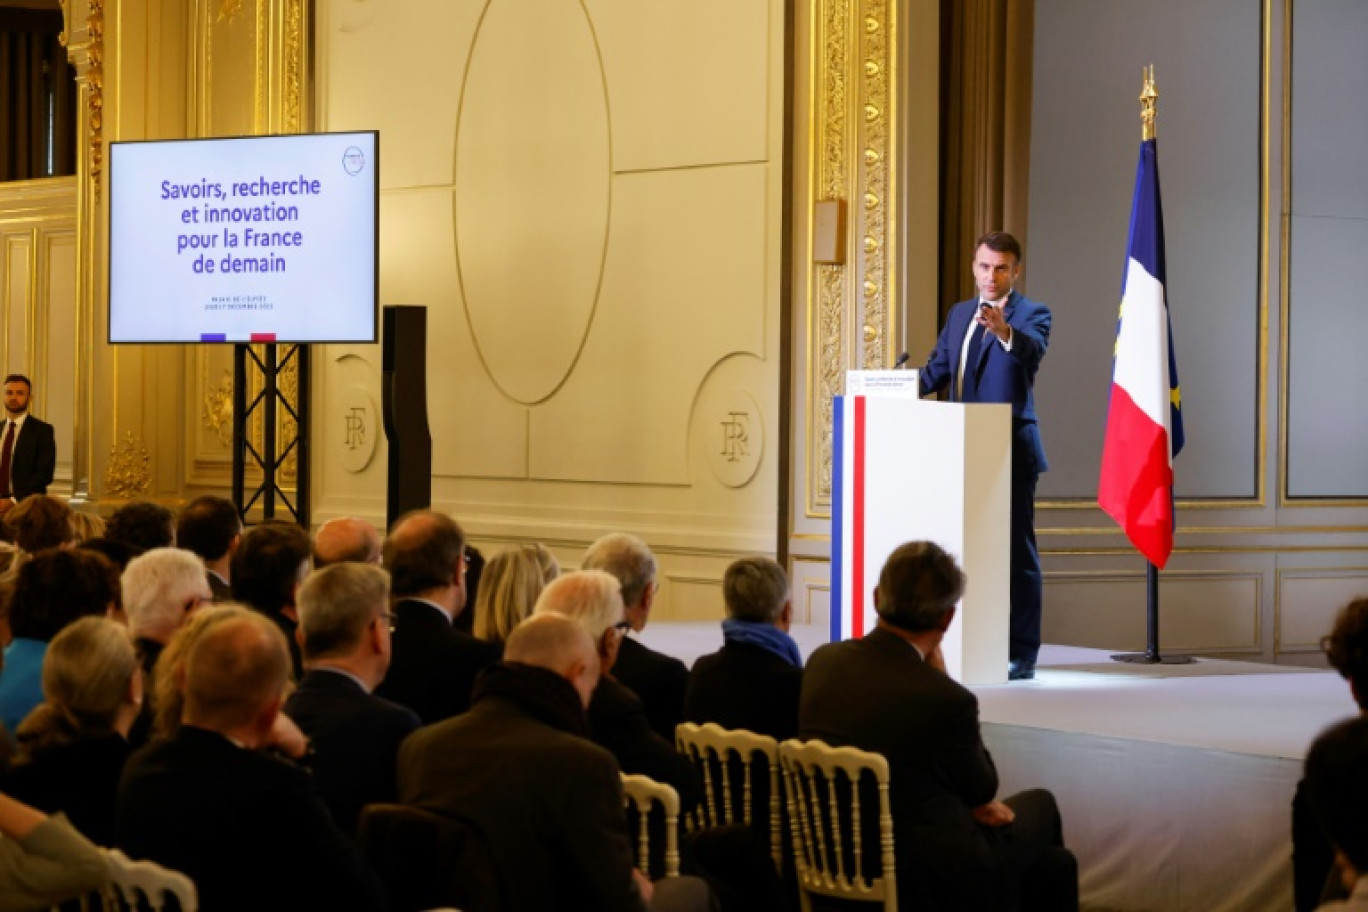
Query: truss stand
[[273, 451]]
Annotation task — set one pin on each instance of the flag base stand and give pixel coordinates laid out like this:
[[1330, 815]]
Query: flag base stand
[[1151, 654]]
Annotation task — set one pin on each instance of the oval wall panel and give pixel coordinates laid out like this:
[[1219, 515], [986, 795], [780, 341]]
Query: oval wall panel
[[532, 191]]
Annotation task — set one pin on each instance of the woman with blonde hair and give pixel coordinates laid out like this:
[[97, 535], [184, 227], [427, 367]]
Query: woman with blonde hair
[[73, 745], [509, 587]]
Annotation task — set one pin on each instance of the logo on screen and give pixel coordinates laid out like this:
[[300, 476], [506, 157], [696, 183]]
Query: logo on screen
[[353, 160]]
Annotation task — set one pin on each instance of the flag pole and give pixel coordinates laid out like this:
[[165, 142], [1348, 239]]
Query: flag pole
[[1149, 97]]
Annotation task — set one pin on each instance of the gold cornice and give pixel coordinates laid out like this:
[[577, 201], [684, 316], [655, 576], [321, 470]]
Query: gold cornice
[[129, 472]]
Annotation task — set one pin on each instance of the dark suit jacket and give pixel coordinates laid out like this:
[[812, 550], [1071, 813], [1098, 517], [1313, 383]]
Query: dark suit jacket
[[548, 802], [221, 591], [80, 778], [34, 459], [659, 680], [618, 722], [745, 686], [434, 665], [998, 376], [356, 738], [878, 695], [248, 829]]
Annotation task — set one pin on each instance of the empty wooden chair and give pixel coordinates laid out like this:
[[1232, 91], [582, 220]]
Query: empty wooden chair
[[822, 788], [726, 763], [642, 792]]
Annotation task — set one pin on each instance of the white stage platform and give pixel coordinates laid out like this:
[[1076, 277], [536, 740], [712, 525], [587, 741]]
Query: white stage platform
[[1176, 790]]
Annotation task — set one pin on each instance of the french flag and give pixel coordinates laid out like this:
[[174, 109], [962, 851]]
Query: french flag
[[1144, 419]]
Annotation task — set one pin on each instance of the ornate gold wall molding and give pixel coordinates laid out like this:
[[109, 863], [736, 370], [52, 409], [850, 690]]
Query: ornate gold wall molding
[[217, 409], [853, 148], [129, 472]]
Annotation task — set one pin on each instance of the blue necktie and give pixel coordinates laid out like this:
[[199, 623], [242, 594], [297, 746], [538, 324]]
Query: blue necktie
[[971, 359]]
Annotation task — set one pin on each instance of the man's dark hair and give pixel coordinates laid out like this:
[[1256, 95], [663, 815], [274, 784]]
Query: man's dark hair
[[266, 566], [919, 583], [39, 522], [143, 525], [207, 527], [1347, 647], [117, 552], [57, 586], [20, 378], [423, 551], [1000, 241], [1337, 789]]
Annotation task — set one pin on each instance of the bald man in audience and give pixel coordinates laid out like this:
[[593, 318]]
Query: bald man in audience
[[658, 679], [617, 719], [344, 633], [211, 528], [434, 665], [247, 828], [520, 768], [346, 539]]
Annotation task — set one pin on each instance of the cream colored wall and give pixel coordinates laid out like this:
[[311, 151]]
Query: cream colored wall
[[587, 199], [38, 302]]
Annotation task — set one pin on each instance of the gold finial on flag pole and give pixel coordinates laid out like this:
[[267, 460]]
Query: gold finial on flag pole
[[1149, 95]]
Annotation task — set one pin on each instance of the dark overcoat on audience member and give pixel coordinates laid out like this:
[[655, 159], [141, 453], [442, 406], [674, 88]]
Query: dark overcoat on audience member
[[658, 679], [250, 830], [434, 665], [618, 722], [356, 738], [745, 686]]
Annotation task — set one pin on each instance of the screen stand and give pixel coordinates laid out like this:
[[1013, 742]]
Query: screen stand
[[274, 451]]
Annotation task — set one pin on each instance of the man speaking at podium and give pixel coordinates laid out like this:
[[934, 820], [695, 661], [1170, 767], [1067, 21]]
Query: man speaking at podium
[[989, 351]]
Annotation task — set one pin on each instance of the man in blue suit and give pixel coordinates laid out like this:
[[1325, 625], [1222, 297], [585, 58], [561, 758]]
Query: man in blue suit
[[989, 351]]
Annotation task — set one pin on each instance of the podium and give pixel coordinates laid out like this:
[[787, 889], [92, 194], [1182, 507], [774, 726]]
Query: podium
[[909, 469]]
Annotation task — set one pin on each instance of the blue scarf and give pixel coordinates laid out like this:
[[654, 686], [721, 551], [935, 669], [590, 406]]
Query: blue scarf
[[766, 636]]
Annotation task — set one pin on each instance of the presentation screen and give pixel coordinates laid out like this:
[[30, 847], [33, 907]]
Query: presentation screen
[[252, 239]]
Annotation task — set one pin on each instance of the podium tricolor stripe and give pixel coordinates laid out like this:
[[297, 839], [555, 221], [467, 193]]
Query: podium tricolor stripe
[[857, 539], [837, 520]]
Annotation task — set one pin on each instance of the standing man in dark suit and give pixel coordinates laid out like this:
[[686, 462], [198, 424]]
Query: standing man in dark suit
[[28, 450], [344, 633], [989, 351], [958, 848], [434, 665], [658, 679]]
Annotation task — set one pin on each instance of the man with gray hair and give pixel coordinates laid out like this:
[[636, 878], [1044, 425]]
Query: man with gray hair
[[617, 720], [958, 848], [346, 539], [753, 681], [658, 679], [247, 828], [344, 634]]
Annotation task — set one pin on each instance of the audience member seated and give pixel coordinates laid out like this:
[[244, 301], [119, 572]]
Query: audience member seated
[[116, 552], [520, 768], [211, 528], [1337, 794], [617, 720], [346, 539], [142, 525], [85, 526], [512, 581], [753, 681], [344, 627], [43, 861], [474, 569], [1312, 856], [268, 566], [168, 694], [247, 828], [160, 589], [52, 589], [659, 680], [957, 847], [434, 664], [72, 747], [39, 522]]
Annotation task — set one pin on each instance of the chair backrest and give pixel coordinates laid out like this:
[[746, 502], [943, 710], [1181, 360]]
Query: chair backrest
[[427, 860], [822, 787], [139, 884], [641, 792], [722, 756]]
